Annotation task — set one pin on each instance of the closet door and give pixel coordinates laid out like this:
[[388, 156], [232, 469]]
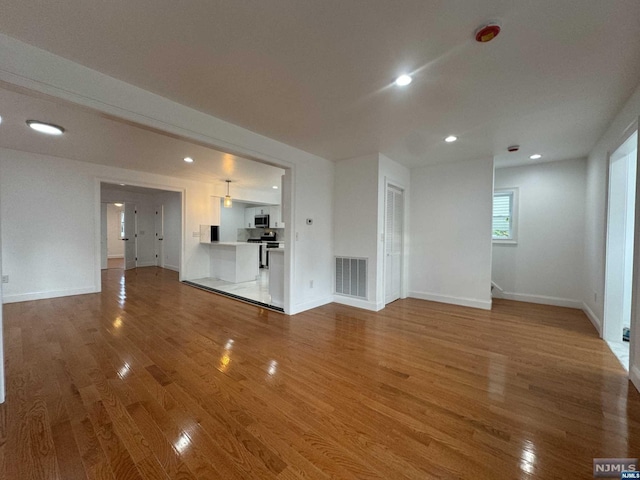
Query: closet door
[[394, 214]]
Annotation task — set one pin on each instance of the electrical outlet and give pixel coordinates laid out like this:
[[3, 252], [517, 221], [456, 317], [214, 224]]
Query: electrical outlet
[[196, 234], [5, 278]]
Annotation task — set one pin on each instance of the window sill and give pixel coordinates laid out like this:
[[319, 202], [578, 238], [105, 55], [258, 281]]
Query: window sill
[[504, 242]]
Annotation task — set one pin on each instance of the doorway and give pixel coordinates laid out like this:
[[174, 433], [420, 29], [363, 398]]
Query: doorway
[[147, 226], [130, 236], [112, 233], [619, 247], [393, 242]]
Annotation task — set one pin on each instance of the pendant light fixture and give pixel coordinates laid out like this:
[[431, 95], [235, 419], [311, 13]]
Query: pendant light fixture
[[227, 199]]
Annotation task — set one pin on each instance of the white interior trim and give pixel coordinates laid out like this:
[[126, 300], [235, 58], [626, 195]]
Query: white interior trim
[[542, 299], [634, 376], [26, 297], [358, 303], [465, 302], [302, 307], [593, 318]]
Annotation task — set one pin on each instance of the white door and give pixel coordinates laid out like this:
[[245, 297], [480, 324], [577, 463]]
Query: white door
[[159, 235], [130, 236], [103, 236], [393, 240]]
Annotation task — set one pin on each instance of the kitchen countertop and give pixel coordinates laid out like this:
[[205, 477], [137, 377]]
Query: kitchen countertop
[[233, 244]]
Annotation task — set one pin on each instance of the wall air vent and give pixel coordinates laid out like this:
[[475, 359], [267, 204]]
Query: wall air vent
[[351, 277]]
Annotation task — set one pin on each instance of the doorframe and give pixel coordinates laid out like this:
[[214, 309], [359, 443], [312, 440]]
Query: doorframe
[[605, 329], [403, 255], [97, 223], [635, 295], [158, 243], [135, 234]]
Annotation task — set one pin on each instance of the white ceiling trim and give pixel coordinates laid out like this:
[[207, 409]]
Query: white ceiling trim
[[35, 69]]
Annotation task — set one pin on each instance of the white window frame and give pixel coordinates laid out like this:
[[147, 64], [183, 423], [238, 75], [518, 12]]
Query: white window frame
[[513, 238]]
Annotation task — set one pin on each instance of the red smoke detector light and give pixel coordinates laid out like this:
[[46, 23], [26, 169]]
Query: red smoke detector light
[[487, 33]]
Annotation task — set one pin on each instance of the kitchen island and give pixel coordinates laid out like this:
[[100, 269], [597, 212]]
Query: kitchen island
[[234, 262]]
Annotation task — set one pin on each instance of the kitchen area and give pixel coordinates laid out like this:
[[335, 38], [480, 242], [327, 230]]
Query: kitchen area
[[246, 252]]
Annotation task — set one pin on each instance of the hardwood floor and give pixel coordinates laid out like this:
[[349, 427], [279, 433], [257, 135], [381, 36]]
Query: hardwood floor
[[115, 263], [153, 379]]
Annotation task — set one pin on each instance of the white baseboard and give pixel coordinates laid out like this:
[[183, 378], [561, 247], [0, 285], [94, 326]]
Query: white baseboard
[[593, 318], [496, 291], [27, 297], [634, 376], [358, 303], [302, 307], [171, 267], [115, 256], [464, 302], [146, 264], [542, 299]]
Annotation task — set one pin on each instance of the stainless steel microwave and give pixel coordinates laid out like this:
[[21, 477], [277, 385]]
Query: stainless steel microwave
[[261, 221]]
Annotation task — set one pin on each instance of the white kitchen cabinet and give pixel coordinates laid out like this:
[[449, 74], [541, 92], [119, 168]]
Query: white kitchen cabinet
[[275, 217], [276, 276], [262, 210], [249, 217]]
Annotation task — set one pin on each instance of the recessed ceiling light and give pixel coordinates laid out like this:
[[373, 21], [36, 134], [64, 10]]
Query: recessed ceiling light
[[450, 139], [122, 184], [275, 187], [0, 119], [47, 128], [535, 156], [118, 204], [188, 159], [403, 80]]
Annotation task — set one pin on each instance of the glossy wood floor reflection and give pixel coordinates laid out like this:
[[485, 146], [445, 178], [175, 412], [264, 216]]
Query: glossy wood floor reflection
[[153, 379]]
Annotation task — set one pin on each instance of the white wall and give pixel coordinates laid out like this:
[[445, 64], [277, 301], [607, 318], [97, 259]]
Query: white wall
[[546, 264], [312, 187], [355, 219], [62, 198], [312, 245], [231, 219], [450, 233], [115, 245], [595, 224], [48, 227], [359, 214]]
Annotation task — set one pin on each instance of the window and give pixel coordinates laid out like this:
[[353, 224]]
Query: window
[[505, 211]]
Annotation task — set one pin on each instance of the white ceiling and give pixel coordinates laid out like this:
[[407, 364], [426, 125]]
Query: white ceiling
[[92, 138], [317, 74]]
